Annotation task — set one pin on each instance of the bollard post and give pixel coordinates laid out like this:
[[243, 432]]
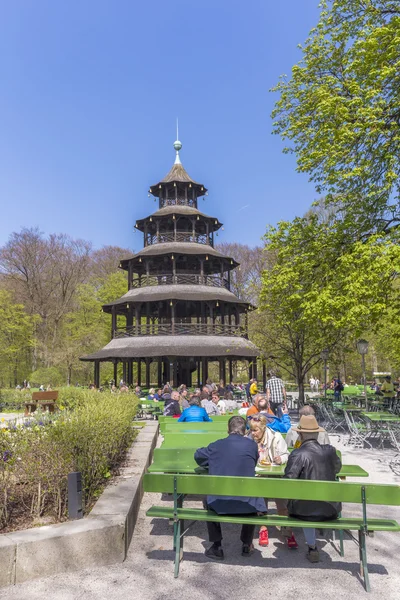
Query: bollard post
[[75, 508]]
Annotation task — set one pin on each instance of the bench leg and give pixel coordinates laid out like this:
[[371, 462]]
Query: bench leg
[[363, 560], [177, 545], [341, 546]]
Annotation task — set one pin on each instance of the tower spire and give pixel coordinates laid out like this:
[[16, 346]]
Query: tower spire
[[177, 146]]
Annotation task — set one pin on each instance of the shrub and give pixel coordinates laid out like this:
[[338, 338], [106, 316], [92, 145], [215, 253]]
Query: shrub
[[35, 458]]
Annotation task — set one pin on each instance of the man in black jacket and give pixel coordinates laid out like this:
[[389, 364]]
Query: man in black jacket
[[318, 462], [233, 455]]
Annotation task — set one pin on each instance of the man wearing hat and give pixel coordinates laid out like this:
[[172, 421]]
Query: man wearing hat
[[314, 461]]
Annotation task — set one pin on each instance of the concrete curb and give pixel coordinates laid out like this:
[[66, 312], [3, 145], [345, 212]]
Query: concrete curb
[[102, 538]]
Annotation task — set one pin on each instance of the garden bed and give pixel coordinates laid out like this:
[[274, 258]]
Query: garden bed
[[91, 434]]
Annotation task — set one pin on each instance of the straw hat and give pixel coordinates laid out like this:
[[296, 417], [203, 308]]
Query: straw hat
[[308, 424]]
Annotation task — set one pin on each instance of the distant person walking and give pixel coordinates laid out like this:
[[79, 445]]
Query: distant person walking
[[276, 393]]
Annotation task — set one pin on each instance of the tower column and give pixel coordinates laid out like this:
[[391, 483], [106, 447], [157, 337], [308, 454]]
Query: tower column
[[147, 372], [113, 321], [96, 380], [159, 372], [124, 371], [116, 372]]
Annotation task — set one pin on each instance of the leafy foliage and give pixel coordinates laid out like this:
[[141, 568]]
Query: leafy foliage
[[340, 110]]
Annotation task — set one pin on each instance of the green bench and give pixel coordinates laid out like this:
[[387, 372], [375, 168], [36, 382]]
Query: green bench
[[264, 487], [164, 421]]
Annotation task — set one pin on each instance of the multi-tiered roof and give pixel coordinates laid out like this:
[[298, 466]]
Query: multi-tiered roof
[[179, 310]]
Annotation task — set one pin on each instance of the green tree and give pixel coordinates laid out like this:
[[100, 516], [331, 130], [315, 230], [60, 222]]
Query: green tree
[[16, 339], [315, 296], [341, 112]]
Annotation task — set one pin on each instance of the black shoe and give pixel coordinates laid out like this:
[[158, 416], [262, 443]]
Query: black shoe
[[215, 552], [247, 549]]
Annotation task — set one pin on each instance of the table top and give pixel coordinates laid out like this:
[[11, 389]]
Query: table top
[[191, 467], [382, 417]]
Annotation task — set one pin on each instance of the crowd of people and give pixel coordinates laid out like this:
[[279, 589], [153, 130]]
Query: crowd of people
[[259, 440], [254, 437]]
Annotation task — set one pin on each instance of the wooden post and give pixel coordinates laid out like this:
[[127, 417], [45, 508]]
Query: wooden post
[[124, 370], [222, 375], [137, 318], [230, 371], [116, 372], [139, 371], [130, 372], [113, 321], [130, 276], [159, 372], [198, 373], [173, 318], [147, 372]]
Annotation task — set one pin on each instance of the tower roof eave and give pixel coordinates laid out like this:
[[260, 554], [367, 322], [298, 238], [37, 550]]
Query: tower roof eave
[[179, 209], [182, 345], [177, 247], [177, 174]]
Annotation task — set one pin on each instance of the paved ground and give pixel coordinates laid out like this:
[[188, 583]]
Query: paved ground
[[275, 571]]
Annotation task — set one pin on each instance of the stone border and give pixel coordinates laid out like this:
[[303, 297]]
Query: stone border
[[101, 538]]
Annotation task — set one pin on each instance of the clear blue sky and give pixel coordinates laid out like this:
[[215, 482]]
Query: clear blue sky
[[90, 91]]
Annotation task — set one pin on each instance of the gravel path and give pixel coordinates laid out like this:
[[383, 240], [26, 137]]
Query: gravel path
[[274, 571]]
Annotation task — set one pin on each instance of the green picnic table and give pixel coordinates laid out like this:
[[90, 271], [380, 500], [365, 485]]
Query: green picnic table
[[381, 417], [192, 439], [193, 426], [170, 460]]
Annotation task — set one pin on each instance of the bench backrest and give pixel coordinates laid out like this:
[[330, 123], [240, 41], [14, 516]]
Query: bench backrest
[[50, 395], [265, 487]]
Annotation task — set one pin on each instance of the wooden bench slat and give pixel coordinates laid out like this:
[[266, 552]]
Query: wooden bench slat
[[265, 487], [192, 514]]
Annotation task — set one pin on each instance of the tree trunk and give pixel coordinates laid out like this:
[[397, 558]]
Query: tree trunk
[[300, 383]]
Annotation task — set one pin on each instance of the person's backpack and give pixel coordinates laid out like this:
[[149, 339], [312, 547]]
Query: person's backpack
[[340, 387]]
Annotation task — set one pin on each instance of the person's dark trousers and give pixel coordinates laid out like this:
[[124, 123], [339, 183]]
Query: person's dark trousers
[[274, 407], [215, 532]]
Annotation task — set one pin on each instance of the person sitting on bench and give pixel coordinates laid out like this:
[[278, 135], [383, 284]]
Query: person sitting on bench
[[318, 462], [234, 455], [195, 412], [292, 437]]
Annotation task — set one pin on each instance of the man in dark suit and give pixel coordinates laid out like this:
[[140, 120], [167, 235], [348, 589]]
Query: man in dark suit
[[234, 455]]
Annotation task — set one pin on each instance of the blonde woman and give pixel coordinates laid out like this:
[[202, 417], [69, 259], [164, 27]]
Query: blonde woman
[[272, 448]]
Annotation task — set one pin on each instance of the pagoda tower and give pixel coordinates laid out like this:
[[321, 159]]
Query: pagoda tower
[[180, 312]]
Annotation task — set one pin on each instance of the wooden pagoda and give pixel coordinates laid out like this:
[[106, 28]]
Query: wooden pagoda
[[180, 312]]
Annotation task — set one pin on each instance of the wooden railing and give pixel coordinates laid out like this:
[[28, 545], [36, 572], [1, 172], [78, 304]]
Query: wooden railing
[[178, 202], [182, 279], [178, 236], [180, 329]]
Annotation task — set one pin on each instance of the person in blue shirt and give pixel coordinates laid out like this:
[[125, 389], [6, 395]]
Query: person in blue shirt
[[281, 424], [195, 412]]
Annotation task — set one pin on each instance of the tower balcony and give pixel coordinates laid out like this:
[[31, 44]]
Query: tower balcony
[[178, 236], [214, 280], [145, 329]]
